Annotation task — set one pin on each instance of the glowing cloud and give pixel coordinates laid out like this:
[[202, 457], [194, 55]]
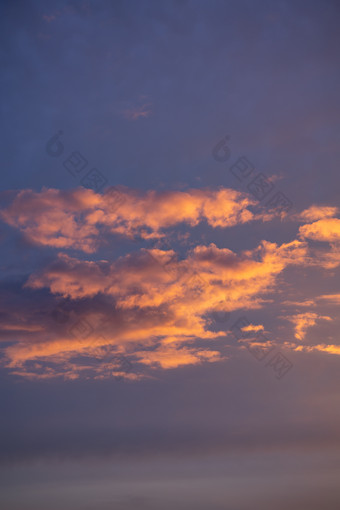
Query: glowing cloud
[[331, 298], [156, 306], [303, 321], [316, 212], [327, 230], [148, 305], [79, 218]]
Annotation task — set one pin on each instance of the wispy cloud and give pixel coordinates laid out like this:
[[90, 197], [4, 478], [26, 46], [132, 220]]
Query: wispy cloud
[[137, 112], [303, 321], [331, 298], [317, 212]]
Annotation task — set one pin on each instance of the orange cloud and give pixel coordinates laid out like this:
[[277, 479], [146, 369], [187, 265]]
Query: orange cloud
[[306, 303], [156, 305], [21, 327], [325, 230], [253, 327], [160, 303], [172, 357], [331, 298], [331, 349], [55, 218], [303, 321], [316, 212], [322, 230], [210, 278], [79, 218]]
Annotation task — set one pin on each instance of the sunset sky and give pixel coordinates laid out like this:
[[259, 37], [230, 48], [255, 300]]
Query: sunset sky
[[170, 255]]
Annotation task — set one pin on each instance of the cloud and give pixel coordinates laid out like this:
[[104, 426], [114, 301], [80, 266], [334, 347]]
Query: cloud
[[81, 218], [149, 306], [326, 230], [172, 357], [303, 321], [55, 218], [305, 303], [253, 327], [137, 112], [331, 349], [331, 298], [49, 18], [316, 212], [329, 259], [328, 348], [154, 301], [153, 277]]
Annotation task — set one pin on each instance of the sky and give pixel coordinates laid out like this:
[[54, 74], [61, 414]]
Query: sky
[[170, 255]]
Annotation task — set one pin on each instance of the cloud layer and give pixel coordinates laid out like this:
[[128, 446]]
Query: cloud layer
[[81, 218], [149, 307], [153, 301]]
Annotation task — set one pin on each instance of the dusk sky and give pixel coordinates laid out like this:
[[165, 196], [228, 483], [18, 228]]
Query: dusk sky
[[170, 255]]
